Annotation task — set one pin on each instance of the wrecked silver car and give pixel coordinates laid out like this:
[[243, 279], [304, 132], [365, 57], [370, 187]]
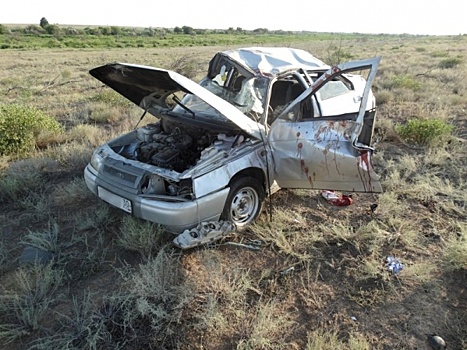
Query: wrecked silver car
[[262, 119]]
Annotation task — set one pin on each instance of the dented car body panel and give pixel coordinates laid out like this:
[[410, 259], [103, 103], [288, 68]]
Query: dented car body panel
[[325, 152], [262, 119]]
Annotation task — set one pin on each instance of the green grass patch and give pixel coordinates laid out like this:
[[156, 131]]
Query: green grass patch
[[405, 81], [438, 53], [111, 97], [16, 39]]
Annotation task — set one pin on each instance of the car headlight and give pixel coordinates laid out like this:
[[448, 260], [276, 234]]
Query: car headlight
[[97, 161]]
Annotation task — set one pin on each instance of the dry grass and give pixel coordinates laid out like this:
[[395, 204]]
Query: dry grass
[[116, 284], [140, 236], [24, 308]]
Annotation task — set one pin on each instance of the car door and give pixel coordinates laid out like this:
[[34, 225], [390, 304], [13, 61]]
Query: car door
[[316, 151]]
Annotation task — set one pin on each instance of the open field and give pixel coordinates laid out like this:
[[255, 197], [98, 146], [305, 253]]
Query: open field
[[318, 280]]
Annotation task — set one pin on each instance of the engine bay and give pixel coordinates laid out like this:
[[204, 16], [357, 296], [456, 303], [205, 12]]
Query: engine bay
[[176, 148]]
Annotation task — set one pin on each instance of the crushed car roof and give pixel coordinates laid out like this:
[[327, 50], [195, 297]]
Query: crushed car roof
[[274, 60]]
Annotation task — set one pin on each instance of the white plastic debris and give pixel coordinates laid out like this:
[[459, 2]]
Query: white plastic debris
[[337, 200], [205, 232], [329, 195], [436, 342], [394, 265]]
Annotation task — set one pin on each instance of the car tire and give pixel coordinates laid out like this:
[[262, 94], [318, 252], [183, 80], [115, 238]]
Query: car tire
[[244, 202]]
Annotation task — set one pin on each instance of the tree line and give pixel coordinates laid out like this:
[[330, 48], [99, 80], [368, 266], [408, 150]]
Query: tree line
[[45, 28]]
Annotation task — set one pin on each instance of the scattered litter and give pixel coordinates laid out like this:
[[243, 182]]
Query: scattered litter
[[373, 207], [337, 200], [249, 246], [205, 232], [394, 265], [353, 318], [329, 195], [287, 271], [436, 342]]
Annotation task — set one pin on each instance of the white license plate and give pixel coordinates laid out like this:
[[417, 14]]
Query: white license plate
[[115, 200]]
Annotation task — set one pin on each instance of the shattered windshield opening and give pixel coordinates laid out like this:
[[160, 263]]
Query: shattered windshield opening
[[237, 86], [246, 94]]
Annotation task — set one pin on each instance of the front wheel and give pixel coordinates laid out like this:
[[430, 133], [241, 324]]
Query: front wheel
[[244, 202]]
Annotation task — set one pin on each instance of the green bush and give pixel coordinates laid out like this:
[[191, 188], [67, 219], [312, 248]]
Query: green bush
[[22, 127], [449, 62], [405, 81], [423, 131]]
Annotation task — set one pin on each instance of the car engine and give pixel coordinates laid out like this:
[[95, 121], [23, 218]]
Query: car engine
[[177, 149]]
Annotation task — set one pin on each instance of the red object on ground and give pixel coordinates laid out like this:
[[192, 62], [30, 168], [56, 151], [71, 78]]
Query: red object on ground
[[339, 201]]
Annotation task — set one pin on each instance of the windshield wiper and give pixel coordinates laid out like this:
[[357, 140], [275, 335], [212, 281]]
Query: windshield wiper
[[177, 101]]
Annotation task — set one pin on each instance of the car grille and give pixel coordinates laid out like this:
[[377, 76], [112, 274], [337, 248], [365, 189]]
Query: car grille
[[121, 176]]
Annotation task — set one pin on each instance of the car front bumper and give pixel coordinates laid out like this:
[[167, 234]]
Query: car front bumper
[[176, 216]]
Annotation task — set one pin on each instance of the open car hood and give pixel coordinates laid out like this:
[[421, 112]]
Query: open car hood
[[135, 82]]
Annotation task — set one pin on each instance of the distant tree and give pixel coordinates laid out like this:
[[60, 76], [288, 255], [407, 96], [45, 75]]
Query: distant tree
[[149, 32], [188, 30], [260, 30], [104, 30], [44, 23], [115, 30], [178, 30]]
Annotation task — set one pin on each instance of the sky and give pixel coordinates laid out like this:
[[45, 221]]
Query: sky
[[346, 16]]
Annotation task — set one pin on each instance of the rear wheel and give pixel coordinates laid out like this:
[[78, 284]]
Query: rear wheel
[[244, 202]]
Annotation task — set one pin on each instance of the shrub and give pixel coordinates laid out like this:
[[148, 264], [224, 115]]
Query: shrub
[[337, 54], [405, 81], [439, 54], [449, 62], [187, 65], [455, 256], [21, 127], [140, 236], [383, 96], [22, 179], [423, 131], [22, 312]]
